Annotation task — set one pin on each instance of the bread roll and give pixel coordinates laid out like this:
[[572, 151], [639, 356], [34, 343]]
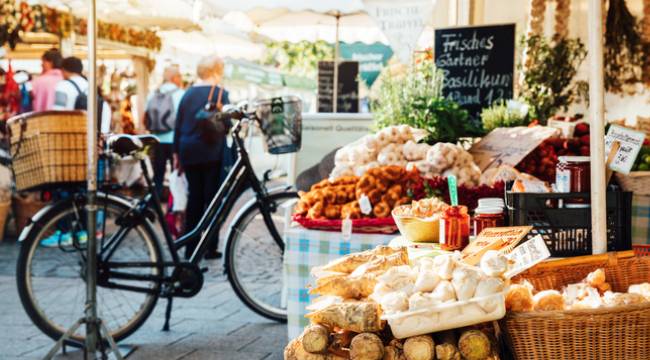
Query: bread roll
[[548, 300]]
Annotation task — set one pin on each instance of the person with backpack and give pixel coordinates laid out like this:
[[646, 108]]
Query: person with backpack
[[71, 93], [160, 120]]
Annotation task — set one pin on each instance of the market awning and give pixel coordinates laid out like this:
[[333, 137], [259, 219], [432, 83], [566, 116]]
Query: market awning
[[239, 70], [160, 14]]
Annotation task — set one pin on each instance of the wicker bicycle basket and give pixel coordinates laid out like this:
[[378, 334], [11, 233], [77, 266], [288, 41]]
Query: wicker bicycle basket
[[48, 147], [621, 332]]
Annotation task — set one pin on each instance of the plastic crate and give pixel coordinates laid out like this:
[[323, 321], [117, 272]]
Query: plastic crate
[[641, 250], [567, 231]]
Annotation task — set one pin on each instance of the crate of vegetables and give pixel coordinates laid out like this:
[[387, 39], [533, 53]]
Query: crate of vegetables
[[564, 220]]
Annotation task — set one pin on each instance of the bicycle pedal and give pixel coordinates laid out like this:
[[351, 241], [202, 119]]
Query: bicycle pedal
[[204, 270]]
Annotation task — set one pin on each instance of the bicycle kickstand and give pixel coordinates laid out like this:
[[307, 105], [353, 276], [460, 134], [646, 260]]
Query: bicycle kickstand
[[168, 313]]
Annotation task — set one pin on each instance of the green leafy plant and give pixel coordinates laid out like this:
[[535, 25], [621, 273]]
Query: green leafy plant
[[504, 114], [549, 85], [298, 58], [414, 97]]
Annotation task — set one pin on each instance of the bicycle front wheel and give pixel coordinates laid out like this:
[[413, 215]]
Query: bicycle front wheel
[[51, 269], [254, 257]]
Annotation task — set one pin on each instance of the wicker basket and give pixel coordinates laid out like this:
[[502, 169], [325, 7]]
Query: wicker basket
[[4, 214], [621, 332], [637, 182], [48, 148], [24, 208]]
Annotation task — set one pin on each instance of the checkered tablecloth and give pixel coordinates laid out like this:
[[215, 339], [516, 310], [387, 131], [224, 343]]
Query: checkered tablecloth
[[641, 219], [305, 249]]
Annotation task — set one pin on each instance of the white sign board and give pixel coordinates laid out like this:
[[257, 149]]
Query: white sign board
[[630, 141], [402, 22], [324, 132], [527, 255]]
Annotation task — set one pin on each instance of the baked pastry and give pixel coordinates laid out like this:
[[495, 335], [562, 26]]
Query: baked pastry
[[548, 300], [520, 297]]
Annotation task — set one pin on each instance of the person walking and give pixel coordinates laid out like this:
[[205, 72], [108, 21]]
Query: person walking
[[43, 86], [160, 120], [72, 92], [198, 151]]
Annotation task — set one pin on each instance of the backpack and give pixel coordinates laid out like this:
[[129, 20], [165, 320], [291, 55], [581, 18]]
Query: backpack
[[160, 116], [81, 103]]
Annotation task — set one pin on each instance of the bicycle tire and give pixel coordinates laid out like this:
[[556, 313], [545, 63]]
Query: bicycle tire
[[234, 236], [23, 271]]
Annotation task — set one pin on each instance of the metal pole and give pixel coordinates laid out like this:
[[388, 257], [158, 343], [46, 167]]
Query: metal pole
[[597, 128], [92, 328], [335, 93]]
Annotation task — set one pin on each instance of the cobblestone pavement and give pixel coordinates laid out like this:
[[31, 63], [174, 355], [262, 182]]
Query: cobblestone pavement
[[212, 325]]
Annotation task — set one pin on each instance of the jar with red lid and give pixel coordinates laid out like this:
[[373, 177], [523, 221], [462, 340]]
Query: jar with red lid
[[573, 175], [454, 228], [488, 217]]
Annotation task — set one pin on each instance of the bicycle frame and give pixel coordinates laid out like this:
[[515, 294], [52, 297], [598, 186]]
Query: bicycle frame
[[238, 179]]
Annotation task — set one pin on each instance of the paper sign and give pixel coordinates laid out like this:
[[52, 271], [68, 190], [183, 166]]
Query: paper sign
[[508, 146], [498, 238], [567, 128], [630, 141], [527, 255], [346, 229], [402, 22]]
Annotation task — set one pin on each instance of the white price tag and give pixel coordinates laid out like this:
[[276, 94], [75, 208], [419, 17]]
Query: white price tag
[[567, 128], [365, 205], [527, 255], [630, 141], [346, 229]]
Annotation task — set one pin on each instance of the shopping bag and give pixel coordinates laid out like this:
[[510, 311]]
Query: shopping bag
[[179, 188]]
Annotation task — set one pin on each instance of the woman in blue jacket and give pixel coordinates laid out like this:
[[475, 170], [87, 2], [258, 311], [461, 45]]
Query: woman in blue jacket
[[197, 157]]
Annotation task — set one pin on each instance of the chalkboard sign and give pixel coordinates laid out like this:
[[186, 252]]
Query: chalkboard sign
[[478, 63], [348, 92]]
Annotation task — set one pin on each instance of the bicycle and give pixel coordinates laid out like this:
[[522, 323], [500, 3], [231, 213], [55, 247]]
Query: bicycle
[[132, 270]]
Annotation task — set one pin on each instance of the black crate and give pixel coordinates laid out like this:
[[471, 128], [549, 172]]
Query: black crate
[[567, 231]]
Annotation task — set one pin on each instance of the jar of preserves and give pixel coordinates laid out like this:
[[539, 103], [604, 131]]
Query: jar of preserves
[[454, 228], [487, 217], [573, 174]]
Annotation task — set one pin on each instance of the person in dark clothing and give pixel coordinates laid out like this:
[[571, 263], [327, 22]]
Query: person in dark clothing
[[198, 159]]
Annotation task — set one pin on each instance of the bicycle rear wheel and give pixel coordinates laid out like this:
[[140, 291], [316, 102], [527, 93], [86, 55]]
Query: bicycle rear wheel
[[254, 258], [51, 270]]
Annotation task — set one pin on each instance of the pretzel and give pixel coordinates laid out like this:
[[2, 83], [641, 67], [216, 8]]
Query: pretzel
[[381, 210]]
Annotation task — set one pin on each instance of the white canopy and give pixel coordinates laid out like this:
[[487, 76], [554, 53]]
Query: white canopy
[[305, 20], [161, 14], [216, 37]]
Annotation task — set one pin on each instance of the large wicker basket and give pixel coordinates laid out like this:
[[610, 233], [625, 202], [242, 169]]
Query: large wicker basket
[[610, 333], [5, 206], [48, 148], [637, 182]]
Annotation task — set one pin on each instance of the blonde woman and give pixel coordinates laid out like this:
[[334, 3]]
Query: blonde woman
[[198, 153]]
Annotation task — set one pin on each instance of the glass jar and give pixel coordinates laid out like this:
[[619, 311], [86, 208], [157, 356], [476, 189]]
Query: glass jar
[[488, 217], [454, 228], [573, 175]]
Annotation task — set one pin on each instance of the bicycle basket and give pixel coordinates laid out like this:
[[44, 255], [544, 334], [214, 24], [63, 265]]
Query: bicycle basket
[[281, 123]]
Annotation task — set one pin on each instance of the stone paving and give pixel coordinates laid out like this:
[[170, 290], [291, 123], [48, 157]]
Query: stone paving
[[212, 325]]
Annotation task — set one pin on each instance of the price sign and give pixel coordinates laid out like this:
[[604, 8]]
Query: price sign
[[527, 255], [630, 143], [508, 146]]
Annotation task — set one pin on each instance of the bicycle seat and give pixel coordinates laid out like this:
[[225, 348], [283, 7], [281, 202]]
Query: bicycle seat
[[124, 144]]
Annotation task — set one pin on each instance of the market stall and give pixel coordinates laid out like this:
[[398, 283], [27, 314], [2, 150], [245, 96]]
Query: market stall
[[483, 190]]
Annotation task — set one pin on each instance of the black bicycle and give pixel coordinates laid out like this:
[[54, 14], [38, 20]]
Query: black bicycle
[[133, 272]]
